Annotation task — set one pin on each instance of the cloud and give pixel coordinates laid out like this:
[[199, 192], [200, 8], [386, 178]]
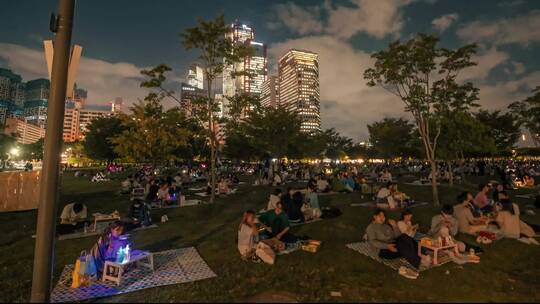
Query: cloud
[[376, 18], [298, 19], [347, 103], [501, 94], [104, 80], [523, 29], [486, 61], [443, 22]]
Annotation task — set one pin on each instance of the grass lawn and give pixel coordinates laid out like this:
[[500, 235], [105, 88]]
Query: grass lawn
[[509, 270]]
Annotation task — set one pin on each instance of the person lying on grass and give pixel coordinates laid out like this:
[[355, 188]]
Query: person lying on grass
[[390, 243], [469, 221], [277, 223], [510, 224]]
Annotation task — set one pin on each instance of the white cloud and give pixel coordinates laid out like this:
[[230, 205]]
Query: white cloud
[[376, 18], [501, 94], [347, 103], [103, 80], [486, 61], [443, 22], [298, 19], [523, 29]]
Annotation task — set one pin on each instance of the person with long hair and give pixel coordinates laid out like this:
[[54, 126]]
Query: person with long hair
[[248, 234], [511, 225], [108, 244]]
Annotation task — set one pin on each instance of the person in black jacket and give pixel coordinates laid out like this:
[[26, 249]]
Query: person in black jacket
[[295, 209]]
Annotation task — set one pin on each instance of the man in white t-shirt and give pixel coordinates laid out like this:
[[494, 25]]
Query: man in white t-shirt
[[73, 217]]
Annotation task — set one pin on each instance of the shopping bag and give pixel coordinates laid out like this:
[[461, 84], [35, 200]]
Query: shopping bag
[[265, 253]]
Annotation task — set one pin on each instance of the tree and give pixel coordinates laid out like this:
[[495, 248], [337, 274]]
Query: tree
[[423, 75], [504, 129], [464, 136], [98, 139], [392, 137], [34, 150], [336, 145], [151, 135], [528, 113], [216, 51]]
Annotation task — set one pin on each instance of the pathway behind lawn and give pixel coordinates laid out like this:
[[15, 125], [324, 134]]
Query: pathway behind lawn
[[509, 270]]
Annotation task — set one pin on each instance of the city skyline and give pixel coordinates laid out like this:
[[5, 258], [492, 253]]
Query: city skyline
[[344, 38]]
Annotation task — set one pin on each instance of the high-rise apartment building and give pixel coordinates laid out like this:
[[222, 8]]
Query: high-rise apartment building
[[37, 89], [11, 87], [299, 87], [25, 133], [35, 112], [270, 92]]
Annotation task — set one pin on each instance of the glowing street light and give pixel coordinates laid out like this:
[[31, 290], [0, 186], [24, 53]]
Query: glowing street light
[[14, 151]]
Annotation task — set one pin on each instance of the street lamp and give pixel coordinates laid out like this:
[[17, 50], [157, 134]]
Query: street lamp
[[14, 151]]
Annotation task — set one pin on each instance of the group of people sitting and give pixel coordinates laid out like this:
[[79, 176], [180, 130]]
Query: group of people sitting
[[389, 197], [225, 185], [399, 239]]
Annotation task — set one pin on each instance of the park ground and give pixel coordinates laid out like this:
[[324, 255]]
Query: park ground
[[509, 270]]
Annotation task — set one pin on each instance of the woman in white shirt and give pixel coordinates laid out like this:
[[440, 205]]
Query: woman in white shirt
[[248, 235], [405, 225]]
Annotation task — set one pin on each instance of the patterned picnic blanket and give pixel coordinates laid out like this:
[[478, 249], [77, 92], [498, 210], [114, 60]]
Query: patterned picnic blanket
[[367, 250], [170, 267]]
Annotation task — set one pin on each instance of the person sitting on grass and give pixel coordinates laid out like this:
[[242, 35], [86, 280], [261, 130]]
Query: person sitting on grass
[[277, 222], [73, 218], [348, 182], [163, 192], [286, 199], [465, 213], [337, 184], [139, 214], [401, 199], [384, 198], [152, 191], [445, 224], [322, 185], [294, 211], [390, 244], [223, 186], [528, 181], [275, 197], [481, 200], [499, 188], [108, 244], [511, 225], [312, 209], [248, 235], [405, 225]]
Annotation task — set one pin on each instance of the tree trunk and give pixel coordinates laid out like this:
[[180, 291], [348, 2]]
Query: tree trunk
[[434, 188], [451, 174]]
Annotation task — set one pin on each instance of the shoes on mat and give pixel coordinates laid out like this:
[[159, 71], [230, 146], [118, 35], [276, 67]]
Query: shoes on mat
[[483, 240], [408, 273]]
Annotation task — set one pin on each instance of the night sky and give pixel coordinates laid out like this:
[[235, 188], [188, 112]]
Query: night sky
[[121, 37]]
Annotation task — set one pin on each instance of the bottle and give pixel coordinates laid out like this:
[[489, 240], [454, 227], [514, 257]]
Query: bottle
[[85, 228], [127, 254]]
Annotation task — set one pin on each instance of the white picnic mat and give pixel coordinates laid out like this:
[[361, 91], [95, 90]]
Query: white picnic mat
[[170, 267]]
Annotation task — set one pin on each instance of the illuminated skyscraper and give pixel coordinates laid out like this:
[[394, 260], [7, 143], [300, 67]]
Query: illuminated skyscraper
[[270, 92], [299, 87], [254, 66], [195, 76]]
